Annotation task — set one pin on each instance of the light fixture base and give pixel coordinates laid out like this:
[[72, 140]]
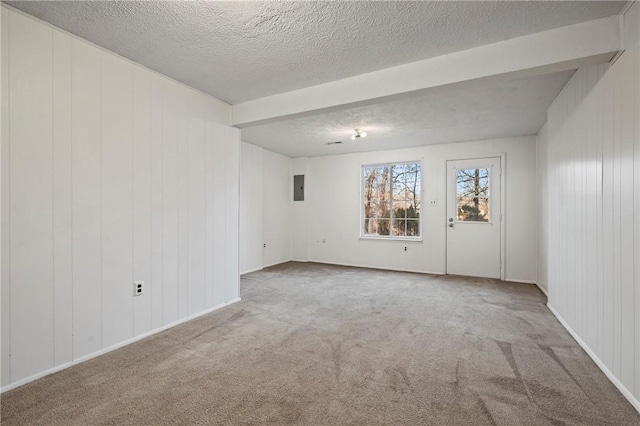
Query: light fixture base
[[358, 134]]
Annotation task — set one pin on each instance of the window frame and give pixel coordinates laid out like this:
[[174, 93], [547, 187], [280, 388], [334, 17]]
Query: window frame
[[390, 237]]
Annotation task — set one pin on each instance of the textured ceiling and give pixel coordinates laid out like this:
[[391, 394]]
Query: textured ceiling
[[239, 51], [481, 110]]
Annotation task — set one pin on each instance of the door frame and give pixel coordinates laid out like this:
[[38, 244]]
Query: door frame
[[503, 205]]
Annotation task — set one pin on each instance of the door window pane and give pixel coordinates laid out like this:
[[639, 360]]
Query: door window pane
[[472, 195]]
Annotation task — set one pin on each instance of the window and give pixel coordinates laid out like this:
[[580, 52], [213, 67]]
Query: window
[[472, 195], [391, 200]]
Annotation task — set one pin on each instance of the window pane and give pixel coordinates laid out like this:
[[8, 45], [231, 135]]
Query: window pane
[[370, 226], [376, 191], [405, 209], [400, 208], [370, 191], [398, 179], [383, 226], [399, 228], [376, 227], [472, 186], [406, 190], [414, 178], [413, 228], [371, 209], [383, 210]]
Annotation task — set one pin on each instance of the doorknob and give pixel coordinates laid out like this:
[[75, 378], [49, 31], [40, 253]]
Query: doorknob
[[451, 225], [450, 222]]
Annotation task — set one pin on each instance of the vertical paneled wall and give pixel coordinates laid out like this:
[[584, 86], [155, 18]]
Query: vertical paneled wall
[[593, 212], [110, 174]]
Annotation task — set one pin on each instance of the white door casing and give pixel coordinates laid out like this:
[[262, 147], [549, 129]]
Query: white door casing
[[474, 223]]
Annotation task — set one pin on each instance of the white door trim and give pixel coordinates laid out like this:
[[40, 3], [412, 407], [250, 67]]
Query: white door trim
[[503, 205]]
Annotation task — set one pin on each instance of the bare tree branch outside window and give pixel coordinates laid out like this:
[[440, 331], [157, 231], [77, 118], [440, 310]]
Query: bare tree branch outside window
[[391, 197], [472, 187]]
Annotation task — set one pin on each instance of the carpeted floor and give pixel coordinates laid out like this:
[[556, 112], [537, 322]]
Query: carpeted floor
[[317, 344]]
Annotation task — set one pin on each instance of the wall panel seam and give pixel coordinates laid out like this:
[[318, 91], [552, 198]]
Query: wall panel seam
[[53, 193], [101, 210], [133, 217], [71, 207], [9, 303]]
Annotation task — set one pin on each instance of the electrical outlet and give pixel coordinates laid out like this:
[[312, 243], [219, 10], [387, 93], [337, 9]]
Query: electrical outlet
[[433, 203], [405, 248], [138, 288]]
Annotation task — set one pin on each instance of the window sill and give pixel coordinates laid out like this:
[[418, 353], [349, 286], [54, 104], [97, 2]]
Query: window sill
[[392, 239]]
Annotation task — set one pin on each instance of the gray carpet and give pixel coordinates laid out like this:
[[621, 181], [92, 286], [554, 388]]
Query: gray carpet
[[318, 344]]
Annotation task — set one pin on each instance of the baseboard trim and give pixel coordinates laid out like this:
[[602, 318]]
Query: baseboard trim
[[542, 289], [276, 263], [66, 365], [513, 280], [251, 270], [415, 271], [376, 267], [616, 382]]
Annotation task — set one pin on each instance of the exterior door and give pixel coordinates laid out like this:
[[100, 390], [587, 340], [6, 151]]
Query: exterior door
[[474, 217]]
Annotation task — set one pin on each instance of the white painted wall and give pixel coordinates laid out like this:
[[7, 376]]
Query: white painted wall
[[110, 174], [265, 208], [593, 213], [333, 208], [251, 218], [277, 196]]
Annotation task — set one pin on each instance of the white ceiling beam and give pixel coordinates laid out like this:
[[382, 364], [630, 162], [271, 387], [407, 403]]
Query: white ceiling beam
[[549, 51]]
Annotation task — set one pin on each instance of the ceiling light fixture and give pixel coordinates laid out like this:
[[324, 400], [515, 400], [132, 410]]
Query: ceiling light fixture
[[358, 134]]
